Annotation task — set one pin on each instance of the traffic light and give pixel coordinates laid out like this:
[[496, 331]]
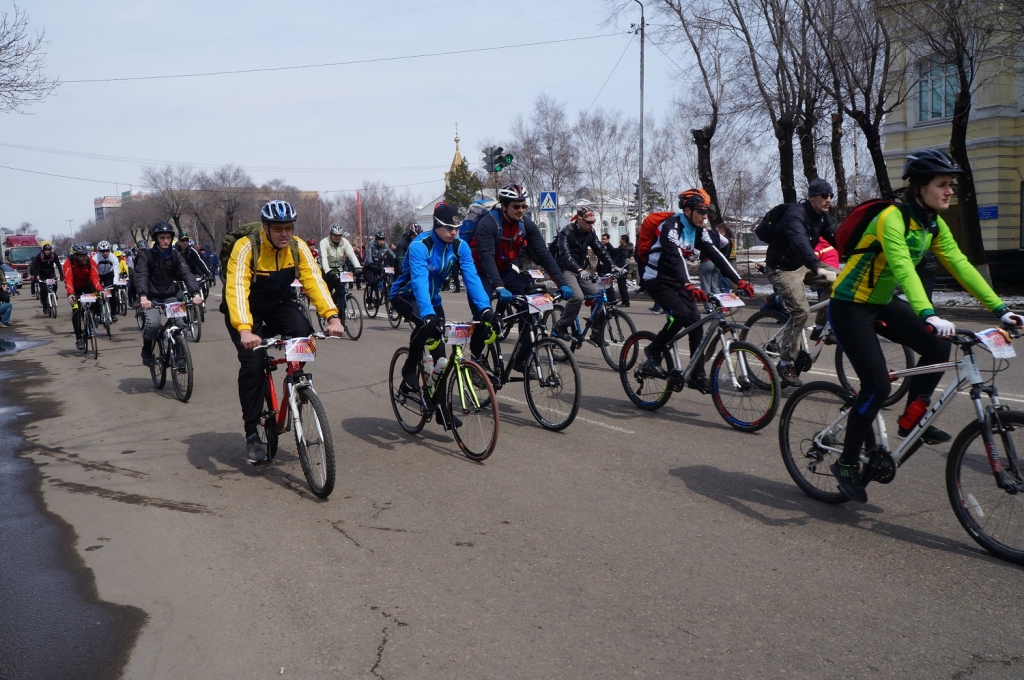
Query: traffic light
[[496, 160]]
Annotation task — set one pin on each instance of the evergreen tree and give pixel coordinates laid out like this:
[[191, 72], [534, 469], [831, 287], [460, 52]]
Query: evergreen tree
[[653, 200], [462, 186]]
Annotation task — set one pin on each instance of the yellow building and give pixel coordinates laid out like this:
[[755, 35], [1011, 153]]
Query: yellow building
[[995, 145]]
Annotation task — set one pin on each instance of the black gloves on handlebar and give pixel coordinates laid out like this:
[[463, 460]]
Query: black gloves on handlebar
[[432, 325]]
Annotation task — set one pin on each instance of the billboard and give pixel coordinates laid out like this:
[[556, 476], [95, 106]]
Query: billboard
[[107, 202]]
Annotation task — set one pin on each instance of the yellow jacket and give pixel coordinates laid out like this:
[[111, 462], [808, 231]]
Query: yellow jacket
[[260, 292]]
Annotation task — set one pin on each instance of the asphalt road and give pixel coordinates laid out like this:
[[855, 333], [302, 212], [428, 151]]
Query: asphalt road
[[633, 544]]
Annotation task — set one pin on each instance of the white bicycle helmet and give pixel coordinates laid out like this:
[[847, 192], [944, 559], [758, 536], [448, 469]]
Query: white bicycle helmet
[[512, 192], [275, 212], [103, 245], [335, 228]]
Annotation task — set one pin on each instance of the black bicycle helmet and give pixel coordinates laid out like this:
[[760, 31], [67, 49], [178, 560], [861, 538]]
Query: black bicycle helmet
[[161, 228], [927, 164], [277, 212], [379, 236], [79, 249]]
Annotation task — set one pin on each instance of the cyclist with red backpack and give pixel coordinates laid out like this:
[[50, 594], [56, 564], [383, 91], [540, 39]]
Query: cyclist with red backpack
[[667, 281], [498, 238]]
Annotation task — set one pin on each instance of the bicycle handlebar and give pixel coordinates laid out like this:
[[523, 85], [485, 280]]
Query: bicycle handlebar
[[278, 341]]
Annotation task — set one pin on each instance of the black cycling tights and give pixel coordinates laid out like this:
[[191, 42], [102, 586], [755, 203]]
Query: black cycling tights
[[854, 327], [682, 312], [419, 338]]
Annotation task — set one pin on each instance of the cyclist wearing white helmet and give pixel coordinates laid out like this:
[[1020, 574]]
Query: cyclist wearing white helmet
[[259, 302], [108, 267], [335, 253]]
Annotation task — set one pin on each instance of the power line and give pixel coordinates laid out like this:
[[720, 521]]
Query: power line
[[340, 63], [614, 68]]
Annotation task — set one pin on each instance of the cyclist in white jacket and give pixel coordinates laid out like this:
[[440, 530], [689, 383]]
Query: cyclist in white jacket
[[334, 250]]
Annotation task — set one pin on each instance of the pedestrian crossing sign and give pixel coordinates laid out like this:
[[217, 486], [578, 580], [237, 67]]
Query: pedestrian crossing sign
[[549, 201]]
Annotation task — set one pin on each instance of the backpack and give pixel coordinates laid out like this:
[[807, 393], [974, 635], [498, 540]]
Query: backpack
[[250, 231], [648, 234], [468, 227], [853, 227], [766, 228]]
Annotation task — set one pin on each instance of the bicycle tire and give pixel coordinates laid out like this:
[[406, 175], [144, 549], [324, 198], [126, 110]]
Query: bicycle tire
[[752, 401], [891, 351], [315, 444], [353, 318], [158, 370], [122, 302], [552, 401], [181, 368], [993, 517], [92, 340], [762, 331], [266, 428], [105, 317], [807, 412], [409, 411], [394, 318], [613, 336], [370, 303], [549, 320], [195, 326], [140, 317], [53, 306], [647, 392], [474, 412]]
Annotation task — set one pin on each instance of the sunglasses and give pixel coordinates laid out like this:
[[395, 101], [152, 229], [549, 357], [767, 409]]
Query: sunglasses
[[521, 206], [281, 230], [700, 211]]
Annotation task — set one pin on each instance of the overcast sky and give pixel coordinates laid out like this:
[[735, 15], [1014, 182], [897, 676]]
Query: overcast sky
[[322, 129]]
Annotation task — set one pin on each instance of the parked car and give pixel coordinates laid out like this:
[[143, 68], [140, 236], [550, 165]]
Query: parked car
[[12, 274]]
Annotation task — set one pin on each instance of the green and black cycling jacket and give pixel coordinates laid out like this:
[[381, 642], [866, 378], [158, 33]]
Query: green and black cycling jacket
[[888, 252]]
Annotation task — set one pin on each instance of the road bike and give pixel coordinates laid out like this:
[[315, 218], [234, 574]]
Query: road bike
[[458, 395], [85, 307], [607, 327], [765, 330], [348, 308], [551, 378], [744, 385], [984, 478], [300, 410], [50, 300], [170, 351]]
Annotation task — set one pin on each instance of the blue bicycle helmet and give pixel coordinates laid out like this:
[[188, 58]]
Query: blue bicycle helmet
[[277, 212]]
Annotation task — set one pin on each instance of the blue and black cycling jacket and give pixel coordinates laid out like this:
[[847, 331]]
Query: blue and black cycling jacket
[[427, 264]]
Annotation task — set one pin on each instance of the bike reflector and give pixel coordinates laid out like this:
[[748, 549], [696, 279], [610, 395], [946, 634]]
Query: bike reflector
[[541, 302], [729, 300], [300, 349], [175, 310], [346, 277], [458, 333]]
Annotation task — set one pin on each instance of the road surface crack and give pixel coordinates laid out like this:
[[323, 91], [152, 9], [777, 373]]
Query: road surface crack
[[337, 527], [977, 660], [132, 498], [380, 654]]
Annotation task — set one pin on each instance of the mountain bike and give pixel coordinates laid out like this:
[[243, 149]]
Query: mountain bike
[[607, 327], [102, 309], [984, 478], [170, 351], [458, 395], [120, 299], [765, 331], [745, 387], [551, 378], [50, 301], [85, 307], [348, 308], [300, 410], [379, 294]]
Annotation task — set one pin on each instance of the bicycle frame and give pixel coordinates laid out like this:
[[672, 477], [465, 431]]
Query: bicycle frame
[[534, 331], [724, 330], [813, 351], [293, 374]]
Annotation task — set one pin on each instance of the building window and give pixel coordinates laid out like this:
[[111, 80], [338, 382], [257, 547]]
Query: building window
[[936, 90]]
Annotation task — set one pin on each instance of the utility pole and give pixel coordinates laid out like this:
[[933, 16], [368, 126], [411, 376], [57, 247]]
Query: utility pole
[[640, 184], [71, 230]]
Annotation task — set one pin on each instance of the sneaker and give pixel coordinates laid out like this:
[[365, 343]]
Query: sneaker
[[699, 383], [790, 378], [848, 477], [407, 389], [147, 358], [656, 308], [3, 325], [933, 435], [80, 344], [254, 450], [652, 367], [113, 319]]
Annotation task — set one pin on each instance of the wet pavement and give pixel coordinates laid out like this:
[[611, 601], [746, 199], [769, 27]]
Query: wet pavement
[[52, 623]]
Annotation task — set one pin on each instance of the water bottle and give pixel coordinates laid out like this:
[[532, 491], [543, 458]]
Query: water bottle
[[439, 366], [428, 361], [912, 415]]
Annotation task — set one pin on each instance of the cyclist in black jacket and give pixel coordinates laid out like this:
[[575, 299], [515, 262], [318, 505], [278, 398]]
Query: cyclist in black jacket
[[193, 259], [572, 244], [45, 265]]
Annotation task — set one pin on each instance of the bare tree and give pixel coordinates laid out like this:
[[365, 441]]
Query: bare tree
[[173, 186], [233, 189], [22, 82], [595, 135]]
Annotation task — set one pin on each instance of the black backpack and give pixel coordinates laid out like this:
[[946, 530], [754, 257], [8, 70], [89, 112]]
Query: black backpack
[[767, 228]]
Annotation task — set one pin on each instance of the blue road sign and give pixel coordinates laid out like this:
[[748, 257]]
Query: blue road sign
[[988, 212], [549, 201]]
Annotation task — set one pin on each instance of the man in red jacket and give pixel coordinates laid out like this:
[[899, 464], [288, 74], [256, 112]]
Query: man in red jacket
[[80, 276]]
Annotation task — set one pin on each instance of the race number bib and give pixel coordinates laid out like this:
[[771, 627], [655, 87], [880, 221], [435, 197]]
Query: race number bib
[[729, 300], [603, 282], [535, 274], [50, 282], [296, 284], [300, 349], [389, 270], [541, 302], [175, 310], [86, 299], [458, 333], [997, 343], [346, 277]]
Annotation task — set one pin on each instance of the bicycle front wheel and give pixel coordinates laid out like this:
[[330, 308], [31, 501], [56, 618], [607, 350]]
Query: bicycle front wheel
[[140, 317], [646, 386], [180, 361], [353, 318], [744, 387], [473, 410], [370, 303], [897, 358], [394, 318], [158, 370], [53, 306], [553, 386], [195, 326], [105, 317], [812, 428], [993, 517], [409, 410], [314, 442], [92, 342], [617, 327]]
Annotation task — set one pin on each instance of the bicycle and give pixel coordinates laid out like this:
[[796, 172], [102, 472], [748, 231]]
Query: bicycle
[[102, 311], [985, 485], [606, 325], [300, 409], [379, 294], [84, 307], [765, 329], [459, 396], [50, 302], [348, 308], [121, 298], [551, 384], [744, 385], [171, 351]]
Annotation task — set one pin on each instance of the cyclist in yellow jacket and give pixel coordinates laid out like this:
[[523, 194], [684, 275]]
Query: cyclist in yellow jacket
[[259, 302]]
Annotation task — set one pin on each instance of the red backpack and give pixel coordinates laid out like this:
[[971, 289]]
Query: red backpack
[[856, 223], [649, 233]]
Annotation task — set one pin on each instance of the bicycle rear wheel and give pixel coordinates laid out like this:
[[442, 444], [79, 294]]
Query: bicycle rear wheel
[[763, 330], [553, 388], [409, 410], [748, 398], [993, 517], [180, 360], [266, 428], [353, 318], [394, 318], [158, 370], [473, 410], [811, 438], [897, 358], [617, 327], [314, 442], [648, 390]]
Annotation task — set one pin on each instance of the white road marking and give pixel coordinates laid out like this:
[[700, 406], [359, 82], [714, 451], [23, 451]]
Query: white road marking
[[589, 421]]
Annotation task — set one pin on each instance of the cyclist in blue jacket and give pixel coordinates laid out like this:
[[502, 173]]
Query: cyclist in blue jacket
[[416, 293]]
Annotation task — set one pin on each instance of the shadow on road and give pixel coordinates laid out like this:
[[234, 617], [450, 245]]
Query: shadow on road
[[780, 505], [145, 386], [624, 410], [387, 435]]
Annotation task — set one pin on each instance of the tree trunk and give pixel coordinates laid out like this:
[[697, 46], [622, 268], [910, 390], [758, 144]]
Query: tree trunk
[[874, 143], [842, 200], [784, 133], [702, 138], [805, 136], [973, 246]]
